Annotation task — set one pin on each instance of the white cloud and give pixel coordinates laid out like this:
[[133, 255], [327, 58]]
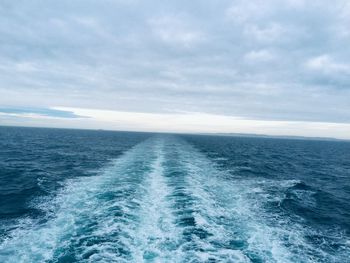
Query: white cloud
[[173, 30], [245, 11], [326, 64], [267, 34], [262, 55]]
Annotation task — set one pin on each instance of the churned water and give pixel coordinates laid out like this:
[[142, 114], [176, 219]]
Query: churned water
[[98, 196]]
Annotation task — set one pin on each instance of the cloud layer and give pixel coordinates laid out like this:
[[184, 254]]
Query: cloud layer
[[258, 60]]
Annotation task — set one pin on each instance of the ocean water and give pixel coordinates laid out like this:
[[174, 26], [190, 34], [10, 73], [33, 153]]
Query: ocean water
[[98, 196]]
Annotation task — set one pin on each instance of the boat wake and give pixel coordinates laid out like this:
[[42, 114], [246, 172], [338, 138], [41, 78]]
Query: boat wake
[[162, 201]]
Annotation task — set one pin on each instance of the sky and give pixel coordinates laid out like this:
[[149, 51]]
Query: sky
[[277, 67]]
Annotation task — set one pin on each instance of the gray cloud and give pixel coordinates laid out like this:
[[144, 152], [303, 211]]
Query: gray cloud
[[266, 60]]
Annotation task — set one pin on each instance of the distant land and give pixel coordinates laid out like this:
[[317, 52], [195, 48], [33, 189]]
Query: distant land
[[291, 137]]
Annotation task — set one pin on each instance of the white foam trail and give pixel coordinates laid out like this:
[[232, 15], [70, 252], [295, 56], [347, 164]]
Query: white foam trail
[[234, 210], [231, 217], [156, 238], [199, 216], [91, 219]]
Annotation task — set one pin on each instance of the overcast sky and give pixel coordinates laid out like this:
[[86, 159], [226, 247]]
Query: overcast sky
[[269, 66]]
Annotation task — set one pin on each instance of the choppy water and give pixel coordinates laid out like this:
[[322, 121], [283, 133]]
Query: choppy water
[[84, 196]]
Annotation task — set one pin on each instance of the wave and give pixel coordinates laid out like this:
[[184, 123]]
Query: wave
[[164, 201]]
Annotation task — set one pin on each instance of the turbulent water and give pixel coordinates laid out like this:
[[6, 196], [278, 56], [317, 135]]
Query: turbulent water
[[84, 196]]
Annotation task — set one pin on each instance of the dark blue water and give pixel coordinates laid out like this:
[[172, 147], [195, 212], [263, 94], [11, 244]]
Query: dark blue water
[[98, 196], [35, 162]]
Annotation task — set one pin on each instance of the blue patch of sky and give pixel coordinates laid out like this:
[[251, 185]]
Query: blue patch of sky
[[40, 111]]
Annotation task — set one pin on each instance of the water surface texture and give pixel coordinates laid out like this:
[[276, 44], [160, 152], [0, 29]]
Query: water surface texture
[[97, 196]]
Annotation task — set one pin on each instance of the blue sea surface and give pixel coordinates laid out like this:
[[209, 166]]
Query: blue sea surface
[[100, 196]]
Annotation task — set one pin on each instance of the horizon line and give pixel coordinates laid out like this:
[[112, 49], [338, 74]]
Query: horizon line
[[223, 134]]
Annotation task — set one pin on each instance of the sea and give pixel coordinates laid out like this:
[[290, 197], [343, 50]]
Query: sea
[[104, 196]]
